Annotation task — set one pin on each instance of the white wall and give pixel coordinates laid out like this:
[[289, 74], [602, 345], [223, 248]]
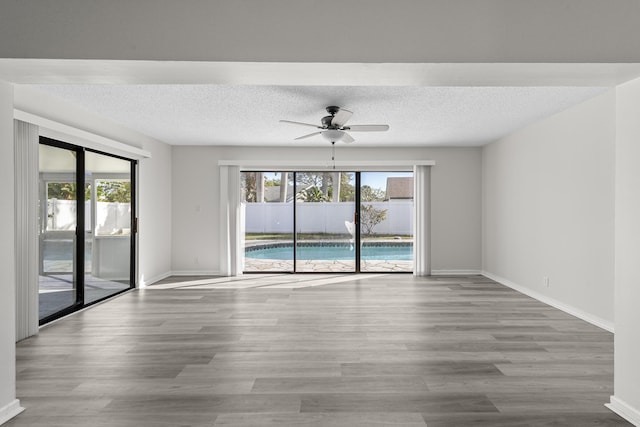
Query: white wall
[[9, 406], [456, 200], [436, 31], [626, 400], [548, 209], [196, 217], [155, 213]]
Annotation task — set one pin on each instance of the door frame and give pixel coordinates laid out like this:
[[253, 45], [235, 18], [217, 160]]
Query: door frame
[[79, 249], [357, 210]]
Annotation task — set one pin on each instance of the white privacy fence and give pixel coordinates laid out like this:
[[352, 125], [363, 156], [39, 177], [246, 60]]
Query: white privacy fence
[[111, 218], [328, 217]]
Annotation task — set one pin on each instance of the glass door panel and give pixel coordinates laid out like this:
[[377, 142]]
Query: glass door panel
[[267, 204], [88, 234], [108, 230], [325, 231], [386, 221], [57, 230]]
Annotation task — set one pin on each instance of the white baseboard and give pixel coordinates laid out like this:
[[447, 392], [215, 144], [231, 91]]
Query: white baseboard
[[10, 410], [195, 273], [587, 317], [147, 282], [455, 272], [217, 273], [623, 409]]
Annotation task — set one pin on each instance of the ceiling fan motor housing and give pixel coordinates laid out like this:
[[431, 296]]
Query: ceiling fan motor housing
[[326, 122]]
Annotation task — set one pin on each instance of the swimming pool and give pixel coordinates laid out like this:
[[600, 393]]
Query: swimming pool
[[400, 251]]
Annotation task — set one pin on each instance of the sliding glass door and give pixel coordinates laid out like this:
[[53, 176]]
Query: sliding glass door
[[86, 213], [108, 223], [328, 221], [386, 221], [267, 203], [58, 212], [325, 216]]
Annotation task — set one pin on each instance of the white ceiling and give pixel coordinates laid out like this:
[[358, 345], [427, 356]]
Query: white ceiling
[[243, 114], [240, 103]]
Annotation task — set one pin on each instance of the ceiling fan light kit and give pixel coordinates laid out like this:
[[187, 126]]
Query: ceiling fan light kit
[[333, 135], [333, 127]]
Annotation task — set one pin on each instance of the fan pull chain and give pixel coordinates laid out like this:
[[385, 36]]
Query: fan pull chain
[[333, 153]]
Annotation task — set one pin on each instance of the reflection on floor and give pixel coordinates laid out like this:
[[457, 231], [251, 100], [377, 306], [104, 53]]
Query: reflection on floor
[[57, 291], [271, 281]]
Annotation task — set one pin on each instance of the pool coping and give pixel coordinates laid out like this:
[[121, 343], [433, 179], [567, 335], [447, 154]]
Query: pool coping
[[254, 265]]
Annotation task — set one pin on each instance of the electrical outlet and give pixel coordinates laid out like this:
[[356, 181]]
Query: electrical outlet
[[546, 281]]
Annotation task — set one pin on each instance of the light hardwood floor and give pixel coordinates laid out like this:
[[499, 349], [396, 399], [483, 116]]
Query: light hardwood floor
[[304, 350]]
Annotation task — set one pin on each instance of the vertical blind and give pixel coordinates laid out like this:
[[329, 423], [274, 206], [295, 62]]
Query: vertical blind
[[26, 228], [422, 220], [231, 222]]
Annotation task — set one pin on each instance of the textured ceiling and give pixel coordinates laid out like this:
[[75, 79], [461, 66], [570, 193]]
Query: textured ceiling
[[207, 114]]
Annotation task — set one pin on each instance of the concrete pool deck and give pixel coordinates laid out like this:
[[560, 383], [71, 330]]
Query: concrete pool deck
[[323, 266], [326, 266]]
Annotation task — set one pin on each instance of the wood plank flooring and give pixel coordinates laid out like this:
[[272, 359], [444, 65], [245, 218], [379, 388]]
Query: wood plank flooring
[[379, 350]]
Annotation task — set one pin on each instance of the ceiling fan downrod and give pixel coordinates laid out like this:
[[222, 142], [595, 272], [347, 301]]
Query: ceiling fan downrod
[[333, 153]]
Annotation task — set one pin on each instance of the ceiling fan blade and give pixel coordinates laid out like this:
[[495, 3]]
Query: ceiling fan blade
[[307, 136], [341, 117], [346, 138], [367, 128], [300, 123]]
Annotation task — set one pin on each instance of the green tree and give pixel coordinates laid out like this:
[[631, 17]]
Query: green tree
[[65, 191], [113, 191], [275, 182], [370, 217], [314, 194], [248, 184], [369, 194], [347, 190], [323, 181], [61, 190], [310, 179]]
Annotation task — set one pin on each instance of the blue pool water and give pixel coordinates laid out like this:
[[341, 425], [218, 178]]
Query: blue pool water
[[285, 252]]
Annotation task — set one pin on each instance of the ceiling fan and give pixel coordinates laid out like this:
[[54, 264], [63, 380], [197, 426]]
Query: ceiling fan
[[333, 126]]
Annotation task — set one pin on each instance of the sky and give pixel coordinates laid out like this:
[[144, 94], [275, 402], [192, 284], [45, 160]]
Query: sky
[[379, 179]]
